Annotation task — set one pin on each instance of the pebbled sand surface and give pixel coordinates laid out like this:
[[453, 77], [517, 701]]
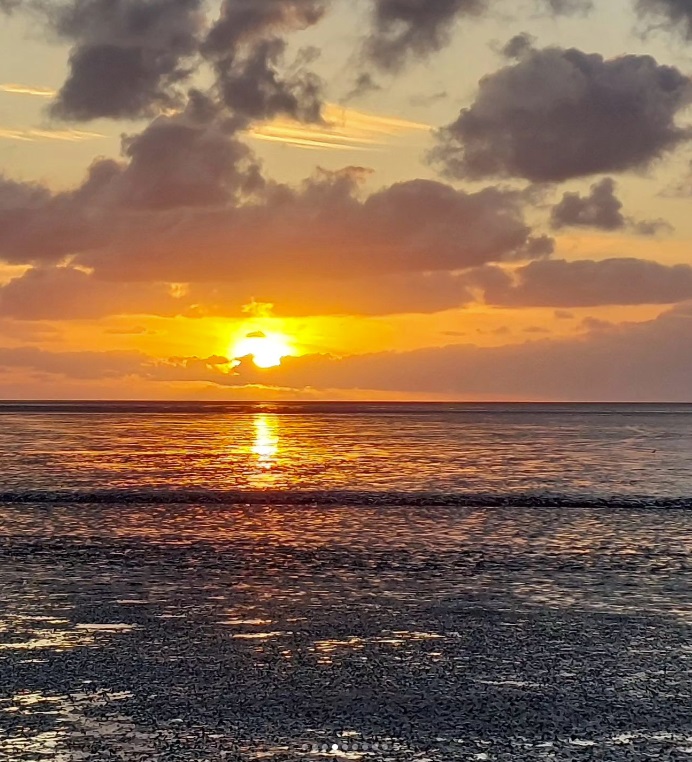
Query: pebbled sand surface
[[354, 632]]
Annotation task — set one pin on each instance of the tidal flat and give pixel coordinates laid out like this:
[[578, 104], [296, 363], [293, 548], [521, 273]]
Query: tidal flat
[[239, 632]]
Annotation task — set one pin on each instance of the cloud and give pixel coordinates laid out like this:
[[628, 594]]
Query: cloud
[[64, 293], [518, 45], [246, 48], [682, 188], [36, 135], [630, 362], [364, 85], [327, 229], [124, 219], [570, 7], [559, 114], [76, 365], [128, 57], [67, 293], [415, 29], [676, 14], [648, 361], [190, 159], [340, 129], [586, 283], [17, 89], [385, 295], [601, 209]]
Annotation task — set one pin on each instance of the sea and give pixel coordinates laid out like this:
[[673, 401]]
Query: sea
[[198, 581]]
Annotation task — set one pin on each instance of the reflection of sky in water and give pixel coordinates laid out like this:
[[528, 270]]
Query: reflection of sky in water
[[477, 451]]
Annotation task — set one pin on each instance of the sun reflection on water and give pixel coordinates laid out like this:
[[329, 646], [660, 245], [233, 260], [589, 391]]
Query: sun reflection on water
[[266, 440]]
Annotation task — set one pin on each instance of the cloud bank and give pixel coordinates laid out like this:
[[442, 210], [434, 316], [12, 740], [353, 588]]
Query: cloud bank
[[559, 114]]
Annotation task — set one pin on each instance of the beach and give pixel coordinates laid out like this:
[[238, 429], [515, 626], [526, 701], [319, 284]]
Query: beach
[[193, 632]]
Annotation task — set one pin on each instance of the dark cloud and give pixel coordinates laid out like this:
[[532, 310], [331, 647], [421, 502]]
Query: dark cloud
[[36, 225], [587, 283], [64, 293], [677, 14], [129, 56], [326, 229], [651, 227], [518, 45], [559, 114], [414, 28], [190, 159], [253, 87], [364, 85], [569, 7], [428, 100], [601, 209], [125, 219], [242, 22], [246, 48]]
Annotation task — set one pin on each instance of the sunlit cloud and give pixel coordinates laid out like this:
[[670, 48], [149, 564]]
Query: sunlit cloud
[[343, 129], [18, 89], [37, 135]]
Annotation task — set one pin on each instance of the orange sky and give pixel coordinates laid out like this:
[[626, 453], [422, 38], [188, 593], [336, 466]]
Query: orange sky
[[376, 207]]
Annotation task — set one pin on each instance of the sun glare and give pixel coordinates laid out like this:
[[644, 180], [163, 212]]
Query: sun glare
[[266, 349]]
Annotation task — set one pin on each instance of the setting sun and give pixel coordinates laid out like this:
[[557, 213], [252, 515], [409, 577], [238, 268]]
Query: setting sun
[[266, 349]]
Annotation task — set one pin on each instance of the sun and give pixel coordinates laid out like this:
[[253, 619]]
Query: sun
[[266, 349]]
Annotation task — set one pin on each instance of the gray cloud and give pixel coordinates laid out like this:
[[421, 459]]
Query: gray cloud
[[190, 159], [63, 293], [559, 114], [125, 219], [677, 14], [518, 45], [570, 7], [129, 56], [586, 283], [364, 85], [246, 48], [87, 365], [601, 209], [405, 28], [38, 225], [415, 29], [324, 228]]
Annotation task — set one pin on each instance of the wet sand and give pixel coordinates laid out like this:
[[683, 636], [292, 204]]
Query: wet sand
[[307, 632]]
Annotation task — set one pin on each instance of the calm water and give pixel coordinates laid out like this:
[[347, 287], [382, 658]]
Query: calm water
[[584, 450], [384, 582]]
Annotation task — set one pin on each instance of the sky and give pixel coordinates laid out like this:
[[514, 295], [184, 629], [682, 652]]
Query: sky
[[346, 199]]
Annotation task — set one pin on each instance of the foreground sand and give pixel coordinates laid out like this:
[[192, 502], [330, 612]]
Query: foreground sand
[[442, 633]]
